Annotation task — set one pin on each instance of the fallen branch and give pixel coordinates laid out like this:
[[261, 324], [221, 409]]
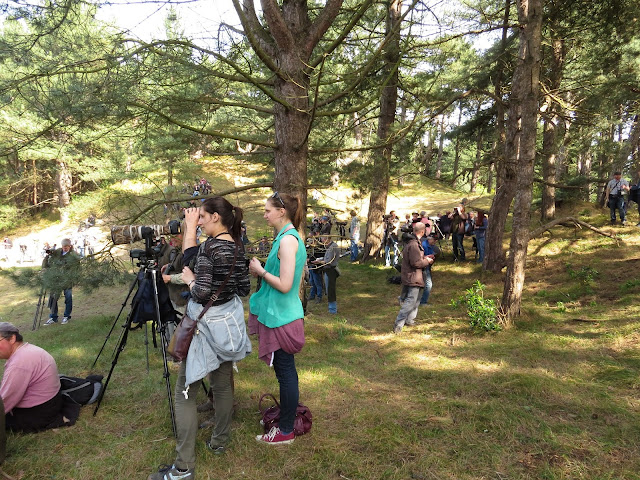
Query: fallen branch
[[578, 223]]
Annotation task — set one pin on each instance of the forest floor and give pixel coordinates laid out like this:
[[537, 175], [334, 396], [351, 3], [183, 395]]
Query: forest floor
[[555, 397]]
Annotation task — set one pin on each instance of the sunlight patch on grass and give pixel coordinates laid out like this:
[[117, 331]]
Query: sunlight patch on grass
[[75, 352]]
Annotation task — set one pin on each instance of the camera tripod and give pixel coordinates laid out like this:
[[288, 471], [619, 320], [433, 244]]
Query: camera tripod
[[37, 318], [148, 274]]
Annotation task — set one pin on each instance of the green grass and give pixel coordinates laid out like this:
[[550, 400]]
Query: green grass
[[554, 398]]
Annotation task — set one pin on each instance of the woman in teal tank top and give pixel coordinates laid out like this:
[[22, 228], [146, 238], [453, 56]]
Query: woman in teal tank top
[[277, 306]]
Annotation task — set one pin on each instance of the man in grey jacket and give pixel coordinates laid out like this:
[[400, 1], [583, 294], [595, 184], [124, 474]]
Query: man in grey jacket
[[412, 272]]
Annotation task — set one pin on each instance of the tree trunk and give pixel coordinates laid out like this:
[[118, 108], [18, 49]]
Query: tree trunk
[[63, 184], [428, 152], [35, 182], [382, 157], [291, 128], [585, 171], [549, 169], [474, 174], [497, 84], [285, 45], [494, 258], [523, 112], [456, 160], [550, 135], [490, 177], [170, 172], [440, 150]]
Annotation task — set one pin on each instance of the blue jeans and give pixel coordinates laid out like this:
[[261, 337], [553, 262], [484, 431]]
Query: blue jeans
[[480, 245], [68, 304], [428, 283], [315, 279], [458, 247], [354, 248], [616, 202], [284, 365], [387, 254]]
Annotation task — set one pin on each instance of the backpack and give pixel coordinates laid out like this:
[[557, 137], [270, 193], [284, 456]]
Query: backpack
[[82, 391]]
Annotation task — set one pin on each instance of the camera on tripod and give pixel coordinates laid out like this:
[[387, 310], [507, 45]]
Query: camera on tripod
[[123, 234]]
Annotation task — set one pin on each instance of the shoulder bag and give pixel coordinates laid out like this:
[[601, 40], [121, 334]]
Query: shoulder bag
[[183, 334]]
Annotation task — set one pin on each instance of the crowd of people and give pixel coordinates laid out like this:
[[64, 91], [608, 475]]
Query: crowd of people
[[207, 280]]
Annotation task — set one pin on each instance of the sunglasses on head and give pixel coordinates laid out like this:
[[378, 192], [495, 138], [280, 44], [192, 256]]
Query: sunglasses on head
[[277, 195]]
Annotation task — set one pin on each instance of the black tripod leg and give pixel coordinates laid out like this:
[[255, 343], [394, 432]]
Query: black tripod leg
[[115, 322], [44, 296], [121, 345], [163, 343], [40, 306]]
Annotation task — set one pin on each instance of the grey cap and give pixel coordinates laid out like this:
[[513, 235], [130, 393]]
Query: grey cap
[[6, 327]]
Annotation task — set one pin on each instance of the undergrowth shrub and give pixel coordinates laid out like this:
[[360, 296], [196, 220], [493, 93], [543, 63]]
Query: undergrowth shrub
[[483, 312]]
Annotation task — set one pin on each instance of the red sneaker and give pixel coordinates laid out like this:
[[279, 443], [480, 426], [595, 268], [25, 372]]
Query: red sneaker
[[275, 437]]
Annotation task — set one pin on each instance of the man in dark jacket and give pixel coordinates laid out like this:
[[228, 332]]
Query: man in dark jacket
[[61, 267], [412, 272]]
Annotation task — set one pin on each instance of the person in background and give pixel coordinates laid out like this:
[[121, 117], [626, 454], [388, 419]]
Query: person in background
[[458, 227], [481, 224], [391, 225], [62, 262], [614, 193], [354, 232], [330, 270], [276, 312], [325, 225], [430, 250], [30, 388], [315, 271], [414, 262]]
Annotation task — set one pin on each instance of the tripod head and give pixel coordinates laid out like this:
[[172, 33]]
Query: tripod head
[[148, 257]]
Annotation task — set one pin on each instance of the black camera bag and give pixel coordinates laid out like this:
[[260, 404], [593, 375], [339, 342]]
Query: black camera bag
[[82, 391]]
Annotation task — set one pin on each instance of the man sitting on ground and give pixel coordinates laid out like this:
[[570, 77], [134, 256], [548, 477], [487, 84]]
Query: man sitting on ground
[[30, 386]]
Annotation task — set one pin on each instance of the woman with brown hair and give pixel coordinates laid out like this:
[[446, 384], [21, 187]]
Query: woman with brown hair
[[276, 310], [219, 280]]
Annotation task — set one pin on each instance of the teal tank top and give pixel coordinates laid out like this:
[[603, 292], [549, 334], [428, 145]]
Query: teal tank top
[[274, 308]]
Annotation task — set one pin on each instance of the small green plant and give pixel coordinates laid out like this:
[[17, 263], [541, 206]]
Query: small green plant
[[629, 285], [482, 312], [585, 274], [561, 307]]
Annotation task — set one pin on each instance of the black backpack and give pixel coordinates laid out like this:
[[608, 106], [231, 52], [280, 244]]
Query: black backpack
[[82, 391]]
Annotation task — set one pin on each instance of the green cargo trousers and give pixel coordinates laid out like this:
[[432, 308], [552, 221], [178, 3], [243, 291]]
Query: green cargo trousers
[[187, 414]]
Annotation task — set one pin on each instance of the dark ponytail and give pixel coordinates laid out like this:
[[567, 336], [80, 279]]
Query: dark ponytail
[[230, 216], [236, 229], [293, 207]]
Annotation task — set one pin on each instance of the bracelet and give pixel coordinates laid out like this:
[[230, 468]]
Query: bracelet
[[264, 274], [190, 283]]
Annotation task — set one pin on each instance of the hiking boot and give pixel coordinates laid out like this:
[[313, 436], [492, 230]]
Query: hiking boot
[[219, 450], [65, 320], [410, 324], [51, 321], [397, 329], [170, 472], [275, 437]]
